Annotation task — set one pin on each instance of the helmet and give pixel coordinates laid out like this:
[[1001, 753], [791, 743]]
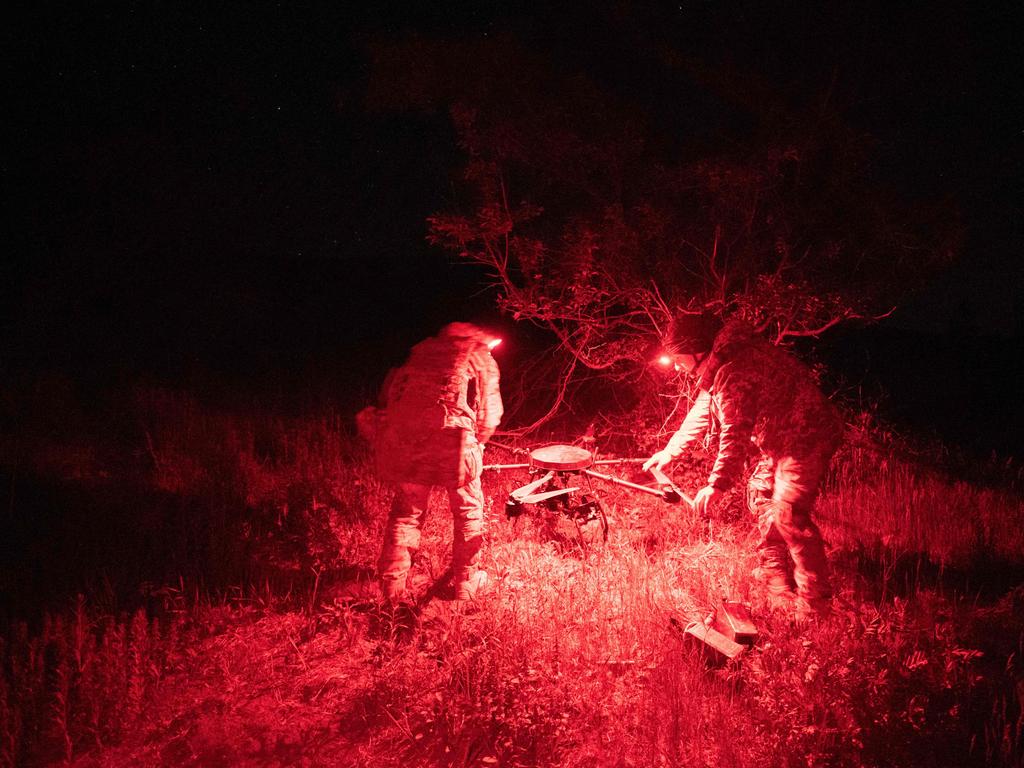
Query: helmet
[[460, 330], [693, 334]]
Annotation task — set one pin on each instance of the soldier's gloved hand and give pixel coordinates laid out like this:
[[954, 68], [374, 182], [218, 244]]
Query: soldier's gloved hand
[[704, 498], [658, 460]]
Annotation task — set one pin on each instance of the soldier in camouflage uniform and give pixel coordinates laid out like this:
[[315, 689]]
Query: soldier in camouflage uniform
[[438, 411], [758, 394]]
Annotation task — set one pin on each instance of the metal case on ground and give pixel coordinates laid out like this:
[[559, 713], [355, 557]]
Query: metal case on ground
[[735, 622], [716, 648]]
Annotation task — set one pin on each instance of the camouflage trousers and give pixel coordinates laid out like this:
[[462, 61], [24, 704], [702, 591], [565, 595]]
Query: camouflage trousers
[[402, 536], [781, 494]]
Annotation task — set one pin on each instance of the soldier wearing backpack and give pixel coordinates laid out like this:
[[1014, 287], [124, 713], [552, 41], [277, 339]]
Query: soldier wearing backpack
[[438, 410]]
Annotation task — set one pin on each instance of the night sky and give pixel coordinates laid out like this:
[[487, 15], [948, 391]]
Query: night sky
[[211, 189]]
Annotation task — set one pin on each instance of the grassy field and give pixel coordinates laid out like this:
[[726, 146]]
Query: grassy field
[[573, 657]]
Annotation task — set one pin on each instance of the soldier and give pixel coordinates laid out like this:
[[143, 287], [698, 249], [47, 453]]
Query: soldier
[[758, 393], [438, 411]]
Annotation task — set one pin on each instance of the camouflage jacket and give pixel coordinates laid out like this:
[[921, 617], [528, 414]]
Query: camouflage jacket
[[438, 409], [758, 394]]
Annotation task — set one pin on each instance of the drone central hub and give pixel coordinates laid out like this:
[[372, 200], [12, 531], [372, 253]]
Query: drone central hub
[[561, 458]]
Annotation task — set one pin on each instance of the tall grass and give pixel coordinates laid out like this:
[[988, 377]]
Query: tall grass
[[876, 501], [575, 655], [79, 683]]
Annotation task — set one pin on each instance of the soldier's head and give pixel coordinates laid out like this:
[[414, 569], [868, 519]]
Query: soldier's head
[[471, 331], [689, 342]]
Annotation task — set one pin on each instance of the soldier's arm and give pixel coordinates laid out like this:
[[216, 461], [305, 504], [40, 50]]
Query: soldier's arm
[[737, 398], [693, 426], [489, 406]]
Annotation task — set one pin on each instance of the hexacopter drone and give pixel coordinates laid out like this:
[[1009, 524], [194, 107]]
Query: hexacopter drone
[[561, 472]]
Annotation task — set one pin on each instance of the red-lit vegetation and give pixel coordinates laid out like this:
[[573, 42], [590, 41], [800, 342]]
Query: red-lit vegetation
[[572, 659]]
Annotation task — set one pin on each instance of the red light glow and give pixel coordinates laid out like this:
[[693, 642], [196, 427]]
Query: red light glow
[[493, 343]]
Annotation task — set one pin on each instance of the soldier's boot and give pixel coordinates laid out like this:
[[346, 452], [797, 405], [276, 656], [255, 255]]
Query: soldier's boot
[[810, 563], [813, 609], [775, 569], [393, 569], [775, 581], [468, 580], [470, 586], [401, 540]]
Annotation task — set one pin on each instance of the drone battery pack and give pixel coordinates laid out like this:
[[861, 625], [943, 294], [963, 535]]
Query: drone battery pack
[[716, 648], [735, 622]]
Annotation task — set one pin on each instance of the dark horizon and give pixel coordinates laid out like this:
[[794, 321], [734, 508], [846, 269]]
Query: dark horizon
[[215, 194]]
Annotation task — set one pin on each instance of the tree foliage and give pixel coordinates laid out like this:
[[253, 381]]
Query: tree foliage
[[598, 220]]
